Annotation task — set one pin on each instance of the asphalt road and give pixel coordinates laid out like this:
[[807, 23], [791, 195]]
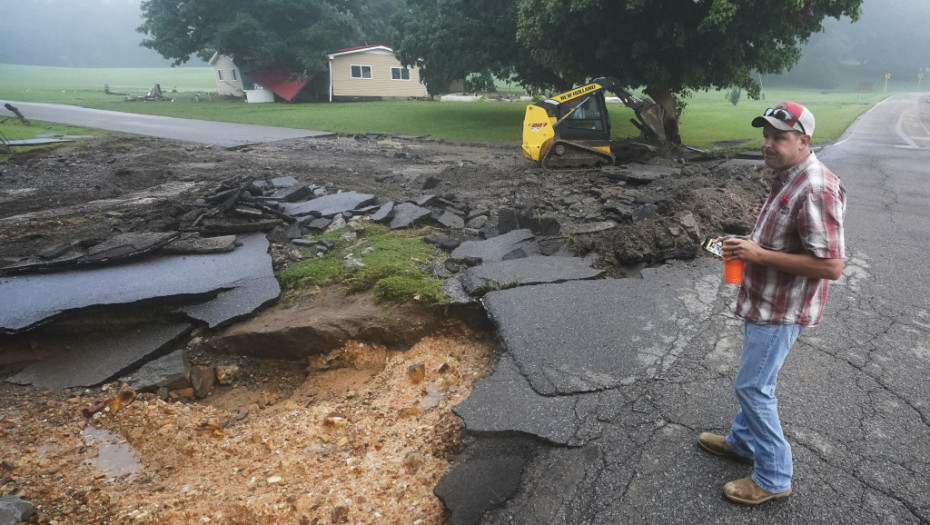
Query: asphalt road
[[592, 412], [205, 132]]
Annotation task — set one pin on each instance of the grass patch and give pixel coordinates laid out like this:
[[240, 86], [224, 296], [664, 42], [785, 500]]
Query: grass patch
[[11, 128], [393, 267], [708, 118]]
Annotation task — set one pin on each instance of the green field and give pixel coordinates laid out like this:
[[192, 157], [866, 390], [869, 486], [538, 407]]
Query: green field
[[708, 119]]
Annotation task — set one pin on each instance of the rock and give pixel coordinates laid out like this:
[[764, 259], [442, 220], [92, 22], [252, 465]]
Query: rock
[[477, 222], [319, 224], [171, 371], [202, 379], [443, 243], [338, 224], [293, 231], [495, 248], [425, 200], [384, 212], [451, 220], [407, 214], [14, 509], [284, 182], [227, 375], [329, 205]]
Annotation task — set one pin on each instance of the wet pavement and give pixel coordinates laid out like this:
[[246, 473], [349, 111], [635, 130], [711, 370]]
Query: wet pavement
[[601, 387]]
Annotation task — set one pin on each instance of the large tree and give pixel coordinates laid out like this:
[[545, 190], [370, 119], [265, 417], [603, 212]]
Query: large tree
[[456, 39], [295, 34], [665, 46], [670, 46]]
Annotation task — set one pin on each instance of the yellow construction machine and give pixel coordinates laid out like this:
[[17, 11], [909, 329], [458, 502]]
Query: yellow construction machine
[[572, 129]]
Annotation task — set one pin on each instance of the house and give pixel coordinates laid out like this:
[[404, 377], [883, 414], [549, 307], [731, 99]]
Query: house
[[227, 75], [372, 73], [358, 73]]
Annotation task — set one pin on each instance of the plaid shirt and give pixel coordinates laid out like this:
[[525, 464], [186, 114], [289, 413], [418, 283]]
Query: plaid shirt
[[803, 214]]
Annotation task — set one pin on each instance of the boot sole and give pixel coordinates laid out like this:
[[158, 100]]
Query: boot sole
[[758, 501]]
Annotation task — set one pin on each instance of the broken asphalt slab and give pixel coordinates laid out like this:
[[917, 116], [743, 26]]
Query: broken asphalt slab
[[241, 281], [101, 359], [122, 247], [556, 419], [537, 269], [511, 245], [329, 205], [585, 336]]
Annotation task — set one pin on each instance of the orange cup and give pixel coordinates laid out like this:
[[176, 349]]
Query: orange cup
[[733, 271]]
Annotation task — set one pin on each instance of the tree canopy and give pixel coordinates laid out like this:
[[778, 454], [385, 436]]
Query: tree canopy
[[295, 34], [666, 46]]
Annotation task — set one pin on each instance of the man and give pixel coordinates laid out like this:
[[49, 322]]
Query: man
[[796, 247]]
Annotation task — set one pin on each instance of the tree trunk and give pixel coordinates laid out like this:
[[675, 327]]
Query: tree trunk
[[665, 100]]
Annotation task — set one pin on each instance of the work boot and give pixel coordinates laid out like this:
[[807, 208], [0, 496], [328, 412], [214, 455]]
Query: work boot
[[746, 491], [717, 445]]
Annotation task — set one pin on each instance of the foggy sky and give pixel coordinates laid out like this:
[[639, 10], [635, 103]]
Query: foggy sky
[[102, 33], [75, 33]]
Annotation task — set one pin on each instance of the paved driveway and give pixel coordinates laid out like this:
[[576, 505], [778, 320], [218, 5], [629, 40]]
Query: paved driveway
[[202, 131]]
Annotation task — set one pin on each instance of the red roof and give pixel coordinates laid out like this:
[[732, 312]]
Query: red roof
[[278, 80]]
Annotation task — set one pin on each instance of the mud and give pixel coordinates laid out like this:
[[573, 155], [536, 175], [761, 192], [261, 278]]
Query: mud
[[124, 183]]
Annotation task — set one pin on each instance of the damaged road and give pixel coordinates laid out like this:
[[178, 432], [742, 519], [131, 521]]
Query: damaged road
[[601, 383]]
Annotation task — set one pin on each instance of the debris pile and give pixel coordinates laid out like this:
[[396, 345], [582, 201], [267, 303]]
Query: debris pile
[[154, 95]]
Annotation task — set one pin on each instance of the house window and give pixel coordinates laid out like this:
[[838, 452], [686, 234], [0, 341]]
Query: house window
[[219, 74], [400, 73], [361, 71], [234, 74]]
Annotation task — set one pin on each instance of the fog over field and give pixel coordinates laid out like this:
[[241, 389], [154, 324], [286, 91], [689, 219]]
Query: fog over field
[[892, 36]]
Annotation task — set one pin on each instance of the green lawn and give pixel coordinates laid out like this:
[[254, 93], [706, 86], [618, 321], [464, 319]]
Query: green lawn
[[708, 118]]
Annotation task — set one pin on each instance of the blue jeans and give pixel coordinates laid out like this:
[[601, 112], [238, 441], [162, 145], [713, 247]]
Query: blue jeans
[[756, 432]]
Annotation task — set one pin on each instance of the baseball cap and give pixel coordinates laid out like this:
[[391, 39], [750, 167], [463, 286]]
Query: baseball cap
[[787, 116]]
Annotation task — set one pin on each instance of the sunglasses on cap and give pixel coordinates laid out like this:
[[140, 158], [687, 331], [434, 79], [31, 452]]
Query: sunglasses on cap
[[785, 116]]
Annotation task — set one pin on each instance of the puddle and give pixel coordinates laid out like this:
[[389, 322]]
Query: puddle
[[115, 456]]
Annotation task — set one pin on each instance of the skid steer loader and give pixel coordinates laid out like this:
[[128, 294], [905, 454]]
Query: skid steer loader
[[572, 129]]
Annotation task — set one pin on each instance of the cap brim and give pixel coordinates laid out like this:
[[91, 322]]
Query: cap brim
[[759, 122]]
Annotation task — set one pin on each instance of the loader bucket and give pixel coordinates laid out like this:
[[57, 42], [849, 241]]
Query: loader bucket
[[652, 117]]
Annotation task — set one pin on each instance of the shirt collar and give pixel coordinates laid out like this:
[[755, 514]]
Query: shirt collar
[[783, 177]]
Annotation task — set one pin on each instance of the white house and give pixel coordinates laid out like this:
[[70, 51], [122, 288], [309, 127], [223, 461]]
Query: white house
[[227, 75], [372, 72]]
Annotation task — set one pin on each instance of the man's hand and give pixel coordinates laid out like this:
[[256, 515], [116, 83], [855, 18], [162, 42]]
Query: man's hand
[[797, 263]]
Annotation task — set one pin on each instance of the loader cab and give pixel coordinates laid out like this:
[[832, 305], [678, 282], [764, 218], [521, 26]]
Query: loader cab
[[587, 118]]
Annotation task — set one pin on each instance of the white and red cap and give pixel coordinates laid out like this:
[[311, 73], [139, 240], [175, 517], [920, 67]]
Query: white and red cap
[[787, 116]]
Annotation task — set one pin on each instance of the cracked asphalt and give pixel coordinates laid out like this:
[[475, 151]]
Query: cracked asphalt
[[592, 412]]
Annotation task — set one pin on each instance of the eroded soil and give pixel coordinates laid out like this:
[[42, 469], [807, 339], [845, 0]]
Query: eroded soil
[[359, 436]]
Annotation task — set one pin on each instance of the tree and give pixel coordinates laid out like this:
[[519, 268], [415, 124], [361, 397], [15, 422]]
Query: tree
[[672, 46], [453, 39], [666, 46], [295, 34]]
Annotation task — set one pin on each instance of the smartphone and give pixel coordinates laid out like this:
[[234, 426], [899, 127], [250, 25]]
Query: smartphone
[[714, 246]]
